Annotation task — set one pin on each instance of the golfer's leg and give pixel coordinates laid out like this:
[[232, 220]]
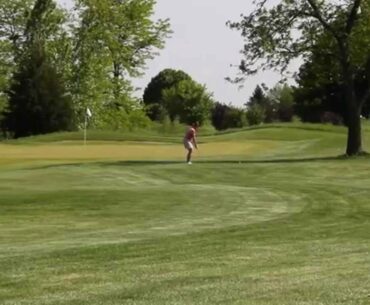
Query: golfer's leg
[[188, 157]]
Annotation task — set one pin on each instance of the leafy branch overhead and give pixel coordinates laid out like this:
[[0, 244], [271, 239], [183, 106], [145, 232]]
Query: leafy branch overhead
[[273, 36]]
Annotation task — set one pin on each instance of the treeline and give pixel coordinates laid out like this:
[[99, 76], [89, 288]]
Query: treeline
[[54, 63], [173, 95]]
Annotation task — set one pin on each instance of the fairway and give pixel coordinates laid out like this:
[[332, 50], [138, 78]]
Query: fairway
[[268, 216]]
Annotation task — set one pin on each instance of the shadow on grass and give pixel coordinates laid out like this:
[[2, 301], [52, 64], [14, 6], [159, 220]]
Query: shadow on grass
[[221, 161], [232, 161]]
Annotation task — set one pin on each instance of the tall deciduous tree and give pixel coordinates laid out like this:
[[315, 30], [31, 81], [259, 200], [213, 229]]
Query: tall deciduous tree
[[17, 29], [274, 35], [13, 20], [114, 41], [320, 87], [14, 16]]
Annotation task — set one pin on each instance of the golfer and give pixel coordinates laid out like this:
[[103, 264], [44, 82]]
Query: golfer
[[190, 140]]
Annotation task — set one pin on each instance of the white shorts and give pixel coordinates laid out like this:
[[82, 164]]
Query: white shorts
[[188, 144]]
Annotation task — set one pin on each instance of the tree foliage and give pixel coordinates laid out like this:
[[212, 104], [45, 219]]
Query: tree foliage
[[275, 35], [227, 116], [255, 115], [320, 86], [282, 100], [189, 101], [95, 50], [113, 42], [153, 93], [38, 102]]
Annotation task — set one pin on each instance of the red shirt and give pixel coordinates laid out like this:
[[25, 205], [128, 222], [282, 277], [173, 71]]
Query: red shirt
[[190, 134]]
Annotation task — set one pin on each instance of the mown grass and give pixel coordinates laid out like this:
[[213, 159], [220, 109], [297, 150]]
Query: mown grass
[[263, 216], [161, 134]]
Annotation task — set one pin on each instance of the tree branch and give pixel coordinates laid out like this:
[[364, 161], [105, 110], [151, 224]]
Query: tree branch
[[317, 14], [352, 17]]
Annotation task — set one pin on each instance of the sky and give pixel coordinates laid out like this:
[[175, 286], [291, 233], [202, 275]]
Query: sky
[[204, 47]]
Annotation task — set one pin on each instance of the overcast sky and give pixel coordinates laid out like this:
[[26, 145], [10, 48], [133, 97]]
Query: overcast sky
[[202, 46]]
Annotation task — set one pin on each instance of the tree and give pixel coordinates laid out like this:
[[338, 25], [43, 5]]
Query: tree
[[22, 23], [3, 109], [320, 88], [13, 20], [227, 116], [189, 101], [275, 35], [17, 19], [282, 99], [316, 95], [259, 100], [113, 42], [255, 115], [153, 93], [38, 101]]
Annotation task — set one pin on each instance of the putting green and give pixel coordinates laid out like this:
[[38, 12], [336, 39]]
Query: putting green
[[129, 151]]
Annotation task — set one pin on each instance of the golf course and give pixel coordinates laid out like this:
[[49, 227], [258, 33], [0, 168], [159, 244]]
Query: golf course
[[269, 215]]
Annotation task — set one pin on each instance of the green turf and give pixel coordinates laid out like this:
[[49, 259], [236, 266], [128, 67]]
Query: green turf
[[286, 225]]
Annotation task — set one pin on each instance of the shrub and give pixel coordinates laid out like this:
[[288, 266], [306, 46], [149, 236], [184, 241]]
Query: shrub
[[255, 115], [332, 118]]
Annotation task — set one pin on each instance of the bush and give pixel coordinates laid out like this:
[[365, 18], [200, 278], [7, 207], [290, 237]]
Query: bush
[[332, 118], [189, 101], [255, 115], [118, 119], [227, 116]]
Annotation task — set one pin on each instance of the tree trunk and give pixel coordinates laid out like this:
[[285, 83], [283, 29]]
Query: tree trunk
[[354, 107], [354, 136], [354, 139]]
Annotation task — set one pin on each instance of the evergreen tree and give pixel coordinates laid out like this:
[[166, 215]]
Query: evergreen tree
[[38, 102], [258, 98]]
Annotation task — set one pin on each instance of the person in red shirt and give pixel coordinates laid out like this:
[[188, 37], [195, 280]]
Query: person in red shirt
[[190, 141]]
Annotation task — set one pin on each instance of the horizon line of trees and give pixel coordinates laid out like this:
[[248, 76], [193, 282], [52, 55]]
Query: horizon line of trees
[[55, 63]]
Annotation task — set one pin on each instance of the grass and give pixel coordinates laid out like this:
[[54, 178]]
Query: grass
[[264, 216]]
